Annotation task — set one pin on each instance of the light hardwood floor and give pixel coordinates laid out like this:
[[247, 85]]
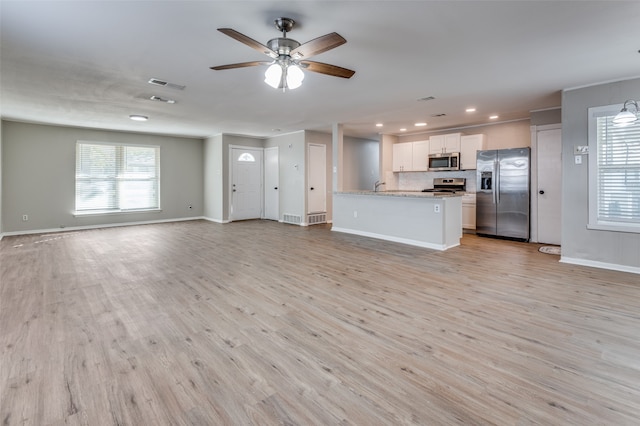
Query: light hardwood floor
[[255, 322]]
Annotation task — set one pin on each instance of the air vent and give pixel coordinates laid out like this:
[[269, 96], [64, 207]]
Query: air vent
[[163, 83], [316, 218], [428, 98], [159, 99], [158, 82], [293, 219], [438, 115]]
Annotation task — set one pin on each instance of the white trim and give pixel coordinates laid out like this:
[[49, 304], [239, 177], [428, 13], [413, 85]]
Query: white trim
[[210, 219], [599, 83], [106, 225], [440, 247], [436, 132], [601, 265]]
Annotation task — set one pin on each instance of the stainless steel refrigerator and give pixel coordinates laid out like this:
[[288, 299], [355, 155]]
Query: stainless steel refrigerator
[[502, 193]]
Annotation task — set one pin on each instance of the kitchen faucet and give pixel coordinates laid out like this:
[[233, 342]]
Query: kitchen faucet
[[376, 185]]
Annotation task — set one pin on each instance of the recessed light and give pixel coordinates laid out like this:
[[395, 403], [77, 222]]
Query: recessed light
[[135, 117], [470, 110], [379, 124], [493, 117], [403, 130], [420, 124]]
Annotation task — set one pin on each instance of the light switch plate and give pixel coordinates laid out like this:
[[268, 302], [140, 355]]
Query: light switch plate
[[581, 149]]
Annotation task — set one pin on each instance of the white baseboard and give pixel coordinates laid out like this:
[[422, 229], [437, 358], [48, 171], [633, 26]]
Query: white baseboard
[[106, 225], [601, 265], [440, 247], [210, 219]]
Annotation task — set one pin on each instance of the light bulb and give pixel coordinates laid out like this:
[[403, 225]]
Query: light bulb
[[273, 75]]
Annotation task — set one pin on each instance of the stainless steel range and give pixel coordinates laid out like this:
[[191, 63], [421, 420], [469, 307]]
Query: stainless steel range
[[447, 186]]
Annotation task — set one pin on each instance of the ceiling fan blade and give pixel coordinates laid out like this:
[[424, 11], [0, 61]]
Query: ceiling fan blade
[[317, 46], [248, 41], [240, 65], [328, 69]]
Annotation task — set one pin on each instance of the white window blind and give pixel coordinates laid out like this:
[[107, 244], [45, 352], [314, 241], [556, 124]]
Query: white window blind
[[116, 178], [617, 172]]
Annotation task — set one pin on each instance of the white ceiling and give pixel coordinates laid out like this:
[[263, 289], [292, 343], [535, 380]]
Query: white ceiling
[[87, 63]]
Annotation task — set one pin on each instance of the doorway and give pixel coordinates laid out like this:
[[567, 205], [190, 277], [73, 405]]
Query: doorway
[[271, 184], [317, 180], [246, 183], [549, 185]]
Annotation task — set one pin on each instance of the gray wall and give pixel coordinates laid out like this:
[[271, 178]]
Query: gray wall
[[618, 250], [361, 163], [38, 177]]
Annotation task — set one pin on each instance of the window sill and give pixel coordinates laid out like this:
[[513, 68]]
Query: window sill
[[113, 212], [635, 229]]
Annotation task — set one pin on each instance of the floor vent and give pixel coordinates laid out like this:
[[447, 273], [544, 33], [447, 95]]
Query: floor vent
[[316, 218], [292, 218]]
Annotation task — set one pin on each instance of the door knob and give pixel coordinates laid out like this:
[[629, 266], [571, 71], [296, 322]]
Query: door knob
[[275, 187], [312, 188], [541, 192]]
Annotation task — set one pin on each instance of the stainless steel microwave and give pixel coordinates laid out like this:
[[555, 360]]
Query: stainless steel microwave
[[444, 162]]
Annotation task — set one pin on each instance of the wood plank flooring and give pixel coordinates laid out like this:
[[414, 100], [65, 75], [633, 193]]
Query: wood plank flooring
[[260, 323]]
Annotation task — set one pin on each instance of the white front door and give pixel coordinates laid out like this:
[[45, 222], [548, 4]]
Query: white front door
[[271, 184], [246, 183], [549, 149], [317, 179]]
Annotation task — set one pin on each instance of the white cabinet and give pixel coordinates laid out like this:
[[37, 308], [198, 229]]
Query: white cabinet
[[403, 157], [469, 146], [420, 161], [411, 156], [441, 144], [469, 211]]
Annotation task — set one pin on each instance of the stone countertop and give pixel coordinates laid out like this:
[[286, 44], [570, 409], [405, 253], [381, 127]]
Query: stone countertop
[[413, 194]]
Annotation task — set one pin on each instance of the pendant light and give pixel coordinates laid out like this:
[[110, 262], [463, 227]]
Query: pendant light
[[626, 117]]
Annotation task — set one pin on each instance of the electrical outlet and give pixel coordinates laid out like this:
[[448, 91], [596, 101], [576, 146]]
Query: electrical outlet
[[25, 217], [355, 213], [436, 208], [578, 159]]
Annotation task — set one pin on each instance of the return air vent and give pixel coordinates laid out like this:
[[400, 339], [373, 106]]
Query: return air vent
[[163, 83], [293, 219], [438, 115], [316, 218], [428, 98]]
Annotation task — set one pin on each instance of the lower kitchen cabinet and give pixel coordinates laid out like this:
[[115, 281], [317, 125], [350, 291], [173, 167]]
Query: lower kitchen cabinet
[[469, 211]]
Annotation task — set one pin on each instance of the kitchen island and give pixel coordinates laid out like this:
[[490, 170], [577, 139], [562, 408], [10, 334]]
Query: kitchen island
[[417, 218]]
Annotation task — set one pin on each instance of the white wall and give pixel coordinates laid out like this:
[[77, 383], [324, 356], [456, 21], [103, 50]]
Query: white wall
[[213, 179], [38, 177], [615, 250], [292, 151], [361, 163]]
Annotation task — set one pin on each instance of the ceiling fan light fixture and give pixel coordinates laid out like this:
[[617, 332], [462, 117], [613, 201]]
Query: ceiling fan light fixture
[[626, 117], [273, 75], [294, 77]]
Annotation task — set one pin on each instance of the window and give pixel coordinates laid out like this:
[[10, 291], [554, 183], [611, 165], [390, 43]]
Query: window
[[113, 178], [614, 172]]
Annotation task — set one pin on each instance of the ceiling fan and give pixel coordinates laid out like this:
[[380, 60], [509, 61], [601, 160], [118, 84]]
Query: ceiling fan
[[289, 57]]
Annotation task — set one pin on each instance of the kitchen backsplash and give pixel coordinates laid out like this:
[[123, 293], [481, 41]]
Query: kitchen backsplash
[[417, 181]]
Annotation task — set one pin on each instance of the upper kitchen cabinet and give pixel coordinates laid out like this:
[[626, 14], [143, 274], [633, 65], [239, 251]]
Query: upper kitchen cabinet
[[441, 144], [420, 156], [469, 147], [411, 156], [403, 157]]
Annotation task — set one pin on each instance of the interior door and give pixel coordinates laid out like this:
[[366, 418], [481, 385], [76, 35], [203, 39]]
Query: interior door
[[317, 179], [246, 183], [271, 184], [549, 152]]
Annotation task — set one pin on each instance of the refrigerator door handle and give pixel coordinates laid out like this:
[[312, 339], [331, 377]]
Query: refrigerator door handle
[[496, 187]]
